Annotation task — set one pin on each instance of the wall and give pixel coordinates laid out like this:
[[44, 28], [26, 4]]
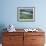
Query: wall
[[8, 13]]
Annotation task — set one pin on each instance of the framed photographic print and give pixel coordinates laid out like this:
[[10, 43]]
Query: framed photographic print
[[26, 14]]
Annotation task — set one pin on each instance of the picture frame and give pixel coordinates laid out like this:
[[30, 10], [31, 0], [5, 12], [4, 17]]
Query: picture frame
[[26, 14]]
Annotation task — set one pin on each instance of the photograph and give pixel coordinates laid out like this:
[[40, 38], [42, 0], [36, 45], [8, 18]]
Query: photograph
[[26, 14]]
